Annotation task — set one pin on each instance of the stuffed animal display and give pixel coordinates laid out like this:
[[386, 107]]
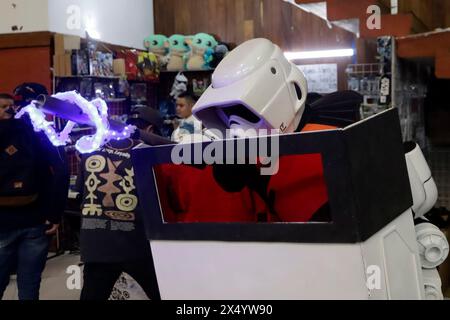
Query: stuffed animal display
[[179, 52], [202, 49], [178, 48], [156, 44]]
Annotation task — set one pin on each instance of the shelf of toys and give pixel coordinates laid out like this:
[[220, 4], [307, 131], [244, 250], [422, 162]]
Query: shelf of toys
[[127, 77], [185, 64]]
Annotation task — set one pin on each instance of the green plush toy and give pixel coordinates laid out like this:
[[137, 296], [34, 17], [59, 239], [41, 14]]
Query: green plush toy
[[178, 48], [202, 48], [156, 44]]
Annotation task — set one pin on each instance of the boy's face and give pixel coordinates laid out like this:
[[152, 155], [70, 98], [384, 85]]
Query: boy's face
[[5, 105], [184, 108]]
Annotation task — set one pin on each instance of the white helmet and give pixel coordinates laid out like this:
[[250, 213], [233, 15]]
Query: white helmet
[[254, 87]]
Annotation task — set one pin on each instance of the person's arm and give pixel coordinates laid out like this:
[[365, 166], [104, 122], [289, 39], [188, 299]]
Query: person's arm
[[79, 184], [55, 181]]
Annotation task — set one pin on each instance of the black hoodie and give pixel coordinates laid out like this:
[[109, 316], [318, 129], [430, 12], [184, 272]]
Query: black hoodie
[[51, 172]]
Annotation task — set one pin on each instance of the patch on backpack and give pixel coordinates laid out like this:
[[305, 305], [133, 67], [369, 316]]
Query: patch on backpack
[[11, 150], [18, 185]]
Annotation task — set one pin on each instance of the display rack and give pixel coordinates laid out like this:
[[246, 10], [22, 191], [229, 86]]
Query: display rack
[[415, 84], [365, 78], [365, 69]]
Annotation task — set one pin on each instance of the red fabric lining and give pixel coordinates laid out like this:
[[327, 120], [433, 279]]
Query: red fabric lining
[[189, 194]]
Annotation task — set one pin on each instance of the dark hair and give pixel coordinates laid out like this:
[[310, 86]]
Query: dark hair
[[143, 125], [188, 97], [28, 91], [6, 96]]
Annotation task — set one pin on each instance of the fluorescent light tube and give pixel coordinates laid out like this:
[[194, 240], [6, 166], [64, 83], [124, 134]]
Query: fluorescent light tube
[[301, 55]]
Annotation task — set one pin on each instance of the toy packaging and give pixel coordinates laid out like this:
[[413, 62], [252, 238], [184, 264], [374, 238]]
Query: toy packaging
[[199, 86], [138, 92], [80, 62], [131, 58], [101, 64], [148, 66], [86, 85]]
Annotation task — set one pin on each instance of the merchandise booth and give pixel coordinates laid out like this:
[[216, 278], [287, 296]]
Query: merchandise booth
[[357, 208]]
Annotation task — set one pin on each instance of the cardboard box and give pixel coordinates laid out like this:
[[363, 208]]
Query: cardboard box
[[59, 44], [72, 43], [65, 43], [55, 65], [119, 67], [58, 65], [67, 58]]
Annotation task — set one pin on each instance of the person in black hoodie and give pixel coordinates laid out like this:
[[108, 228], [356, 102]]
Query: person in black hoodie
[[33, 189]]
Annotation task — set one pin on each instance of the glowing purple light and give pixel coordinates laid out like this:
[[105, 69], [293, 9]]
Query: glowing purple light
[[96, 110]]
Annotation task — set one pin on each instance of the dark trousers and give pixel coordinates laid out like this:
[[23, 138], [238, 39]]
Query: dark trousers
[[26, 250], [100, 278]]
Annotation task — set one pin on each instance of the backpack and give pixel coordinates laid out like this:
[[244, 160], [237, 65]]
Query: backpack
[[18, 165]]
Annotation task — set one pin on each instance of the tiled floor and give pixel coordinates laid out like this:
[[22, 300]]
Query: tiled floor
[[54, 279]]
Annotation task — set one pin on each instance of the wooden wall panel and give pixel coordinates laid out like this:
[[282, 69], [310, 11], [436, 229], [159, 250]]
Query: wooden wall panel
[[26, 40], [235, 21], [24, 65], [277, 20], [431, 13]]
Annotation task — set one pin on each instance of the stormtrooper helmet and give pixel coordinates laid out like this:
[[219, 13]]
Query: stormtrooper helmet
[[254, 87], [180, 85]]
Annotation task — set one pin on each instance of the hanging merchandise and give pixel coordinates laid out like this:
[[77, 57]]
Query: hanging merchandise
[[199, 86], [148, 66], [131, 58], [385, 55], [180, 86], [202, 50]]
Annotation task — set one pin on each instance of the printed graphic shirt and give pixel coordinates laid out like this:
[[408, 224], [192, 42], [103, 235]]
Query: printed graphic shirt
[[111, 228], [187, 127]]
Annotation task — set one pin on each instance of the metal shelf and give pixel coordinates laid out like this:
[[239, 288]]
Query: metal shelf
[[187, 71], [81, 77], [365, 69]]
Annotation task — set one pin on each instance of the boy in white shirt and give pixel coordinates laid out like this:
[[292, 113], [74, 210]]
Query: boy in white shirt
[[188, 124]]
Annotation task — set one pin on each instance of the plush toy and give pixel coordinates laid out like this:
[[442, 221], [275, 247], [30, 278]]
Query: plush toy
[[220, 52], [156, 44], [178, 48], [202, 49]]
